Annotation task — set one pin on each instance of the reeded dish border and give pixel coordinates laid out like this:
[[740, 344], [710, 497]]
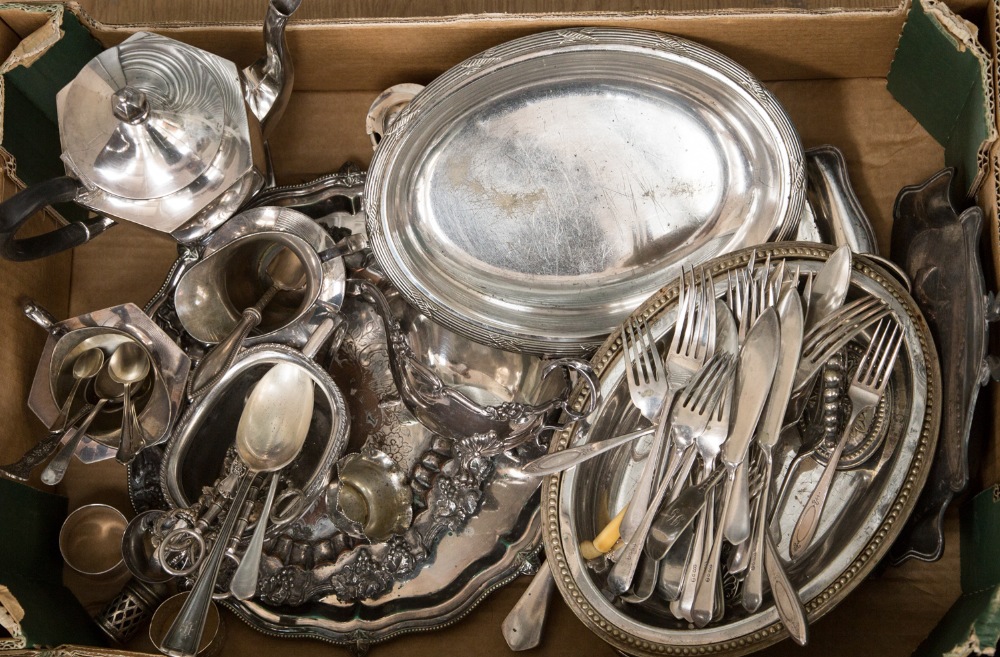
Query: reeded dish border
[[866, 559]]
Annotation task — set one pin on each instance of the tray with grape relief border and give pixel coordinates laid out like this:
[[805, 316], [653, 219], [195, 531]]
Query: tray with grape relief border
[[476, 528]]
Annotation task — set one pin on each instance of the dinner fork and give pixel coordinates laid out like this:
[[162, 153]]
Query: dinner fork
[[690, 416], [870, 380], [689, 348]]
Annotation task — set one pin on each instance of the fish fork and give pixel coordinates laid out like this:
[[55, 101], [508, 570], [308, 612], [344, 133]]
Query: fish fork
[[693, 336], [870, 380], [831, 335], [690, 416]]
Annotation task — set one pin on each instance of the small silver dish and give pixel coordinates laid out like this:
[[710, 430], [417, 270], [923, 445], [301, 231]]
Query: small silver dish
[[91, 541], [371, 497], [231, 276]]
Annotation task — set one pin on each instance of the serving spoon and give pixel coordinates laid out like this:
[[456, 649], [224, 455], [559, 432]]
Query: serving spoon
[[270, 434], [286, 273]]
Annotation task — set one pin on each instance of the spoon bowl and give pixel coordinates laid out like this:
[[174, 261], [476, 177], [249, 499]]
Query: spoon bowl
[[276, 418], [86, 366]]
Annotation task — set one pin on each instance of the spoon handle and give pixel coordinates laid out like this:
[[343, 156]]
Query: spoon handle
[[129, 446], [244, 583], [56, 469], [61, 420], [184, 635], [21, 469]]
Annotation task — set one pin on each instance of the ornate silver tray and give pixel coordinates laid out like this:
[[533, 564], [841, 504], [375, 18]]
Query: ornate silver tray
[[318, 583], [535, 194], [868, 505]]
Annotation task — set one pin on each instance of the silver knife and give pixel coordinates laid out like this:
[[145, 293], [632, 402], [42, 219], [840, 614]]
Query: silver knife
[[769, 432], [829, 289], [754, 374]]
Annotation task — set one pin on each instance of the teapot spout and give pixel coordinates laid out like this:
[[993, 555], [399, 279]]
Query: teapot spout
[[267, 83]]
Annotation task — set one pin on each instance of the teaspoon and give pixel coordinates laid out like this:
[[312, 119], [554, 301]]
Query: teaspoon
[[129, 365]]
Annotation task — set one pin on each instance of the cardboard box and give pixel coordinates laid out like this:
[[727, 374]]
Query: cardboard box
[[827, 66]]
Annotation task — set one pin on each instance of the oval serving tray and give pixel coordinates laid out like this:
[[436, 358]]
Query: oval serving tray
[[534, 195], [866, 509]]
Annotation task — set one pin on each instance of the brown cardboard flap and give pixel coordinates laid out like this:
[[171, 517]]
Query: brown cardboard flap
[[375, 55]]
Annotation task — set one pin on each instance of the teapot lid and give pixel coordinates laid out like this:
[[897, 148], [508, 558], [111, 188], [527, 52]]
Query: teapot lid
[[148, 117]]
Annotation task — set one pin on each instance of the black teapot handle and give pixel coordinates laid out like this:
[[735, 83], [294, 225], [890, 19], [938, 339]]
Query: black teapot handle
[[20, 207]]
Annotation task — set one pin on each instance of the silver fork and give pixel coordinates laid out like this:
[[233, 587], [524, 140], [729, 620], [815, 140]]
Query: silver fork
[[830, 336], [689, 416], [709, 444], [692, 338], [869, 383]]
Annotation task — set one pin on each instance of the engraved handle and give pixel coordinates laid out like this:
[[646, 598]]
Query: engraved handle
[[56, 469], [786, 598], [522, 629], [567, 458], [21, 470], [808, 522], [673, 519], [737, 520], [184, 635]]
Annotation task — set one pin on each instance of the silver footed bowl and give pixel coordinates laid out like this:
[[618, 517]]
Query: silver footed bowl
[[867, 507]]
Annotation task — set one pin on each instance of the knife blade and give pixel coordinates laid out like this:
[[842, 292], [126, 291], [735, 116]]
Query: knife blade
[[754, 374], [791, 331], [829, 289]]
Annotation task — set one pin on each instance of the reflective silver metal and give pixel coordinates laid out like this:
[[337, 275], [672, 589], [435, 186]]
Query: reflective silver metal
[[158, 401], [231, 276], [170, 136], [476, 524], [838, 213], [371, 495], [447, 409], [867, 508], [532, 196], [195, 454]]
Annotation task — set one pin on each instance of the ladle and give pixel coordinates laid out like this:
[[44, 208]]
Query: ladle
[[286, 273], [271, 432], [129, 365]]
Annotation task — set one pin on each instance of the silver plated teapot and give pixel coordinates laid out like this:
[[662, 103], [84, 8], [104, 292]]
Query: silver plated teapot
[[162, 134]]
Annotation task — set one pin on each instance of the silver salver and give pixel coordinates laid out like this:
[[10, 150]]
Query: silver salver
[[868, 505], [535, 194]]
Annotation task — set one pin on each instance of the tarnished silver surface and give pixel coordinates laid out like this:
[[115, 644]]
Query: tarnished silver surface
[[160, 400], [866, 508], [212, 294], [476, 524], [532, 196], [939, 249]]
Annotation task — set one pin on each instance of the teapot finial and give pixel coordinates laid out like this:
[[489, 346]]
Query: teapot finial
[[130, 105], [268, 82]]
